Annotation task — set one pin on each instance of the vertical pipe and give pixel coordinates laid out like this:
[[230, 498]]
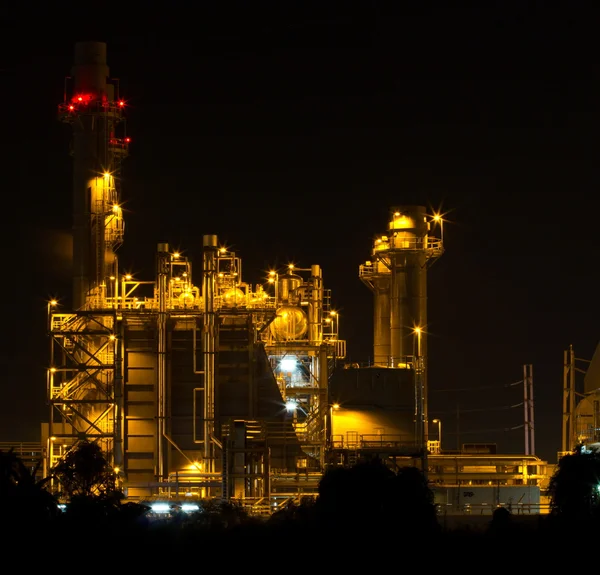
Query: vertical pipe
[[381, 320], [163, 271], [397, 298], [420, 297], [324, 407], [209, 343], [118, 424], [315, 310]]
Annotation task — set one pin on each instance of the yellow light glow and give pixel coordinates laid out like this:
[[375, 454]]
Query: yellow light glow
[[115, 208], [176, 255], [195, 466], [128, 277], [52, 370], [106, 175], [417, 330], [111, 337], [53, 302], [336, 406]]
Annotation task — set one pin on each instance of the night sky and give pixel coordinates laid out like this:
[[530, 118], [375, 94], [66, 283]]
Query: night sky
[[290, 134]]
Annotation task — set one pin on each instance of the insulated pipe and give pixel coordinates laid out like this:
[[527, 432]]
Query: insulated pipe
[[315, 309], [161, 386], [381, 320], [209, 334]]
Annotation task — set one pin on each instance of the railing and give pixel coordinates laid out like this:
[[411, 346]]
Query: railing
[[175, 303], [489, 508], [374, 441], [30, 453], [23, 449]]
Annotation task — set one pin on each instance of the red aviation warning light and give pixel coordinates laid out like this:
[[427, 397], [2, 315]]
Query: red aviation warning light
[[82, 99], [121, 103]]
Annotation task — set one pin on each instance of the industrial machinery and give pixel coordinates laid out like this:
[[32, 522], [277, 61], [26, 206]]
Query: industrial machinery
[[200, 385], [216, 389]]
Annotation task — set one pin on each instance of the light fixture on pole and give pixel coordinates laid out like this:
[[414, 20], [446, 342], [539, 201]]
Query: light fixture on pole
[[439, 422], [438, 219]]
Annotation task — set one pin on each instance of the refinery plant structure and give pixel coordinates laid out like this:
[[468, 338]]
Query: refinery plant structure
[[197, 384], [581, 402]]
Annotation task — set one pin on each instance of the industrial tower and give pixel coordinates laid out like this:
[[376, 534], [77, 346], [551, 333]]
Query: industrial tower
[[397, 276], [94, 110]]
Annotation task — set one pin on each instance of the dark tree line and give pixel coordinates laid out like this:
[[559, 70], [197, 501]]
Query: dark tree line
[[367, 506]]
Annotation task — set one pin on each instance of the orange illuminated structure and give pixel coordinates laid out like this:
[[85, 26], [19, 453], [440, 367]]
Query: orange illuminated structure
[[197, 384], [397, 276]]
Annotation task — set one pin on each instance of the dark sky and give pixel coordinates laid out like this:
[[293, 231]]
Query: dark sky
[[290, 134]]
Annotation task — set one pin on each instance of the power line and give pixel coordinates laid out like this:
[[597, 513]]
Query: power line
[[487, 430], [481, 387], [500, 408]]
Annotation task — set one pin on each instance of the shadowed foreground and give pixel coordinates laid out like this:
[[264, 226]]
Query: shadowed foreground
[[366, 512]]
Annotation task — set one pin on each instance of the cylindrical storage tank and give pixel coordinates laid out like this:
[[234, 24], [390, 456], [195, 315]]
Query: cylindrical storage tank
[[381, 321], [186, 299], [286, 286], [290, 323]]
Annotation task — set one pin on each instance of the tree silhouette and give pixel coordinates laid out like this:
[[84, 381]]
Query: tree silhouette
[[373, 500], [84, 471], [574, 487], [94, 501], [25, 502]]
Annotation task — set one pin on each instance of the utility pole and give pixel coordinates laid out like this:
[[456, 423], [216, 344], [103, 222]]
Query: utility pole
[[528, 409], [568, 420]]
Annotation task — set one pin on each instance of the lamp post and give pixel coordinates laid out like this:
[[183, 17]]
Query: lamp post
[[437, 218], [421, 416], [418, 334], [51, 304], [439, 422]]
